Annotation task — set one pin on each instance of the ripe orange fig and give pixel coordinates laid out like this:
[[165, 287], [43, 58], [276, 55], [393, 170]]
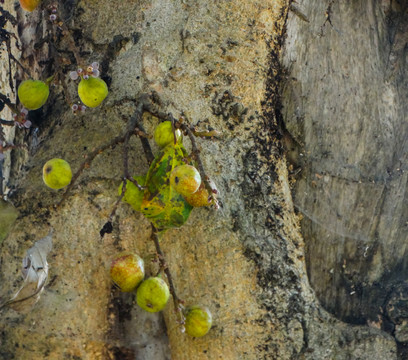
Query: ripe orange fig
[[29, 5], [199, 198]]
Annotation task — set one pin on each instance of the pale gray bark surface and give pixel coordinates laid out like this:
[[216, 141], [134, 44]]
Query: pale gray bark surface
[[345, 107]]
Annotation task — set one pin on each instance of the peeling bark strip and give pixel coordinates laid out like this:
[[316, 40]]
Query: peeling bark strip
[[216, 63]]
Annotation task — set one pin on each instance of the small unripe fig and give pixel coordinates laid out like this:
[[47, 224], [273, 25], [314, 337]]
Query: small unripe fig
[[127, 271], [185, 179], [29, 5], [163, 134], [152, 294], [92, 91], [133, 196], [198, 321], [199, 198], [57, 173], [33, 93]]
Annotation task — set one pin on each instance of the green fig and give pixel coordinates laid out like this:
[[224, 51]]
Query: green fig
[[57, 173], [185, 179], [152, 294], [33, 93], [127, 271], [198, 321], [92, 91], [133, 196], [163, 134]]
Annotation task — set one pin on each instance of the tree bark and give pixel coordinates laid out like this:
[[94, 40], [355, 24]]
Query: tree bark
[[345, 106], [218, 63]]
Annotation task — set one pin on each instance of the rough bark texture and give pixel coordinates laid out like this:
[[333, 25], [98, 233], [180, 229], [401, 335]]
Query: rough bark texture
[[218, 63], [345, 107]]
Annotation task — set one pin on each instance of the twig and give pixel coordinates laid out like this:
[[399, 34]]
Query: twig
[[178, 303], [133, 125], [108, 227], [298, 12], [196, 153], [211, 134], [6, 122], [8, 103], [124, 138], [71, 43], [89, 158]]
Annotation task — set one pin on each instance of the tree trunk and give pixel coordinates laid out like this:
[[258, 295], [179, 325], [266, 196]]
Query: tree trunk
[[223, 65], [345, 106]]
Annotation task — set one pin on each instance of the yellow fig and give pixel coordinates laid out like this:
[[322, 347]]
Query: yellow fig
[[92, 91], [185, 179], [198, 321], [127, 271], [33, 93], [199, 198], [57, 173], [152, 294], [133, 196]]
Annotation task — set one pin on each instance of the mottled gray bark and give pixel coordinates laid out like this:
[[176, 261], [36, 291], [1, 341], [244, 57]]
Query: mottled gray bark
[[218, 63], [345, 108]]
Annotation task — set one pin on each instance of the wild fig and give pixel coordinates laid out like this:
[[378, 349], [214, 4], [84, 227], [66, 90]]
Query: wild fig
[[57, 173], [185, 179], [133, 196], [92, 91], [199, 198], [29, 5], [152, 294], [198, 321], [127, 271], [33, 93]]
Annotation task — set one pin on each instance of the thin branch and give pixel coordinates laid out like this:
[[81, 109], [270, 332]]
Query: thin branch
[[124, 138], [8, 103], [196, 153], [178, 303], [108, 227], [71, 43], [206, 134], [7, 122], [89, 158]]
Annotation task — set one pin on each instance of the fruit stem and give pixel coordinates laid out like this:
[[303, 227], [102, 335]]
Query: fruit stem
[[49, 80]]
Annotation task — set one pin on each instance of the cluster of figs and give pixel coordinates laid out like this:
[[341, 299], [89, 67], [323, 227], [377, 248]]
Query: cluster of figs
[[92, 90], [152, 294], [127, 269]]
